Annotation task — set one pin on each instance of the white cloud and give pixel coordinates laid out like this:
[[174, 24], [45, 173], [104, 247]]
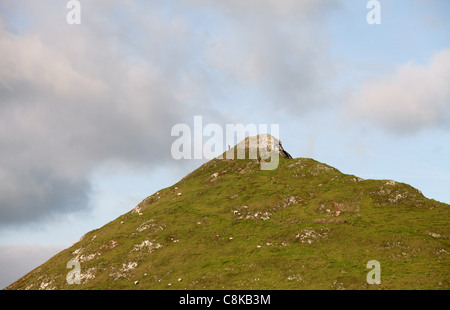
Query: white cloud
[[27, 58], [413, 97]]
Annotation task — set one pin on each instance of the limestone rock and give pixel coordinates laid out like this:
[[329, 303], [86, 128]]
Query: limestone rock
[[255, 145]]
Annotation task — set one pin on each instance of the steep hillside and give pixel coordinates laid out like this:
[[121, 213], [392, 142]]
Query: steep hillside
[[230, 225]]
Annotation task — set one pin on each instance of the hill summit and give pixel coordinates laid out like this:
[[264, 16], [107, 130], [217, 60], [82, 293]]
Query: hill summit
[[254, 145], [231, 225]]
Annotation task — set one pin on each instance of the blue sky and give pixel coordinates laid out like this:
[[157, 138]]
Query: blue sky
[[86, 110]]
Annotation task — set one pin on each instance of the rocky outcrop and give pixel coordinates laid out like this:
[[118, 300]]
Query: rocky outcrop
[[256, 145]]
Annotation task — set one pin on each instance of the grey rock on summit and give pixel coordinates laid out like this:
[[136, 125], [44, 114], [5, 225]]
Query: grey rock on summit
[[255, 144]]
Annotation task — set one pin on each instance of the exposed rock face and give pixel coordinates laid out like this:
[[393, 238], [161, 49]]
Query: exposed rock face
[[283, 151], [256, 145]]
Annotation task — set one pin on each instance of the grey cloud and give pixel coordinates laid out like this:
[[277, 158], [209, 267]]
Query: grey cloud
[[66, 109], [73, 97], [38, 195]]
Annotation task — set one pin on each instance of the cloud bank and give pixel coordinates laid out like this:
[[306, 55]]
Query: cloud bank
[[71, 101], [110, 89]]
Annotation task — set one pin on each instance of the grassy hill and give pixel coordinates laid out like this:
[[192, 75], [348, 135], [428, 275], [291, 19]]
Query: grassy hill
[[230, 225]]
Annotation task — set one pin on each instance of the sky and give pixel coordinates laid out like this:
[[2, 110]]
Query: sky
[[86, 110]]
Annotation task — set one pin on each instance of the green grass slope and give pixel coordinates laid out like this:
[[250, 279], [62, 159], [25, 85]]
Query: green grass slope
[[230, 225]]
